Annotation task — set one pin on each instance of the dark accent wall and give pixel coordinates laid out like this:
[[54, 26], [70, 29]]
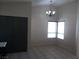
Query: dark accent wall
[[14, 30]]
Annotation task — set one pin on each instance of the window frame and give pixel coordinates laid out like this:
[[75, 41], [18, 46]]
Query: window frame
[[60, 33], [57, 30], [53, 32]]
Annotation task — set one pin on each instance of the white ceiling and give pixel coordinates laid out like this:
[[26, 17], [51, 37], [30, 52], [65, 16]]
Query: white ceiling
[[41, 2], [46, 2], [14, 0]]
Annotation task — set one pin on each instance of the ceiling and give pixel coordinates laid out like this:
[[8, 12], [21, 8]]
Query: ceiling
[[41, 2], [46, 2], [14, 0]]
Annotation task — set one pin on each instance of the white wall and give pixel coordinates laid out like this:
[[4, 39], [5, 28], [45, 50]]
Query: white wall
[[22, 9], [39, 21], [77, 29], [67, 13], [39, 26]]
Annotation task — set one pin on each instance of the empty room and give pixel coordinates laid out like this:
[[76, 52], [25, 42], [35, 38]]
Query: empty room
[[39, 29]]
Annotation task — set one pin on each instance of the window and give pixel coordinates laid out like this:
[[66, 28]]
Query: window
[[51, 29], [60, 33]]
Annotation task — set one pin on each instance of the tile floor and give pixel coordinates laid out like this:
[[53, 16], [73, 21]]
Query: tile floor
[[51, 52]]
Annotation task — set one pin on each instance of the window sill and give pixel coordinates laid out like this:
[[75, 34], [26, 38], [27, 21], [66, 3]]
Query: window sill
[[60, 39]]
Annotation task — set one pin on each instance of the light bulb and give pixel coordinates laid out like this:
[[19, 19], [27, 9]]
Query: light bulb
[[53, 12], [47, 12], [50, 12]]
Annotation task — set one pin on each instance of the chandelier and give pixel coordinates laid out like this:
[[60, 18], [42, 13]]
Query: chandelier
[[51, 11]]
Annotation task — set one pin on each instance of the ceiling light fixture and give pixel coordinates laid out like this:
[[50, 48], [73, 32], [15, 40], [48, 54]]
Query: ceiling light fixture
[[51, 11]]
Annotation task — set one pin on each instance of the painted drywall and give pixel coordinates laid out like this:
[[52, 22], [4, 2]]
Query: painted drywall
[[22, 9], [77, 29], [39, 21], [67, 13], [39, 26]]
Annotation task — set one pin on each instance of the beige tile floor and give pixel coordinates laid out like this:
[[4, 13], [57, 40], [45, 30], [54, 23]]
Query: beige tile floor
[[51, 52]]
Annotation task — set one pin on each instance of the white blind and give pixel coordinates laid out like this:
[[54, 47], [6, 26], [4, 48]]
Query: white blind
[[60, 30], [52, 29]]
